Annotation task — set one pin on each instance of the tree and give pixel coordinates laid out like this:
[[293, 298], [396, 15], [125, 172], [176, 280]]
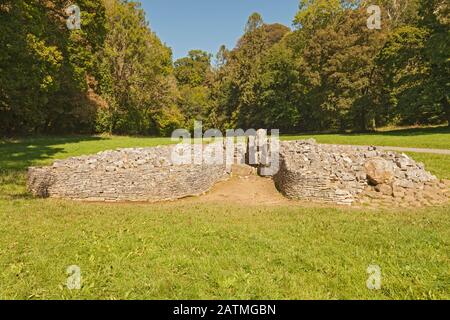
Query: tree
[[194, 77], [136, 75], [47, 73], [254, 22], [416, 67], [279, 90], [316, 14], [235, 94], [338, 71], [435, 19], [195, 69], [395, 13]]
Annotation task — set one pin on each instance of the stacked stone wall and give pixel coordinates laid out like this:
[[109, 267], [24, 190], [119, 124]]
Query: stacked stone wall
[[349, 174], [139, 174]]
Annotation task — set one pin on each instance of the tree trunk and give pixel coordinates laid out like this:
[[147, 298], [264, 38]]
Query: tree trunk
[[446, 107], [363, 120]]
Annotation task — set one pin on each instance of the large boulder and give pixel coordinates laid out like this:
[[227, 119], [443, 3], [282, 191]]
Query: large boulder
[[379, 171]]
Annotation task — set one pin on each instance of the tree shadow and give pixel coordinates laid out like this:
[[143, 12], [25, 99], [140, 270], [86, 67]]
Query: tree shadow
[[16, 155], [399, 132], [23, 153], [416, 131]]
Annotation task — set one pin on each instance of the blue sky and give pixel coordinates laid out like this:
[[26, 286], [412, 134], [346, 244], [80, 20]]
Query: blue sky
[[206, 24]]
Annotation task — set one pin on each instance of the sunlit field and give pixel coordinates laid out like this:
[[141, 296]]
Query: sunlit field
[[188, 250]]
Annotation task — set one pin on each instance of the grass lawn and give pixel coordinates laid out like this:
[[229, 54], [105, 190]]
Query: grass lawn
[[207, 251], [434, 138], [229, 252]]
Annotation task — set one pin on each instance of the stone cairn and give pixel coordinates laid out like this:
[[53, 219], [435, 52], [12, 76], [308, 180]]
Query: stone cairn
[[307, 170], [351, 174]]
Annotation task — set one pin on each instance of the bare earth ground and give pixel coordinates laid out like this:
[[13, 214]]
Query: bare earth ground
[[244, 187]]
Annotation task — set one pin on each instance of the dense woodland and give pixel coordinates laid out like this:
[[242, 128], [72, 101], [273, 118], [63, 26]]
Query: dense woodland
[[329, 72]]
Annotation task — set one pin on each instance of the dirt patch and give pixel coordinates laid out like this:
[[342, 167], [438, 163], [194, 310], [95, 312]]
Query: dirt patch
[[244, 187]]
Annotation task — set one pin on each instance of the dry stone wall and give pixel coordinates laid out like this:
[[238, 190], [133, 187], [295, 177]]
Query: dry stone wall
[[307, 170], [139, 174], [349, 174]]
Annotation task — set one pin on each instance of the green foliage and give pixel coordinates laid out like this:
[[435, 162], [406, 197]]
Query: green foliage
[[417, 68], [237, 91], [194, 75], [338, 71], [135, 75], [405, 74], [279, 90], [194, 69], [195, 102], [334, 73], [395, 13], [44, 68], [316, 14], [330, 73], [436, 20]]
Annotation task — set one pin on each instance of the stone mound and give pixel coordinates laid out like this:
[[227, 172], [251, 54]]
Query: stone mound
[[351, 174], [139, 174], [307, 171]]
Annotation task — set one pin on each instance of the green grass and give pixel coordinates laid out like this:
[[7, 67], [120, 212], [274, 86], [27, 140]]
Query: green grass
[[182, 251], [227, 252], [435, 138]]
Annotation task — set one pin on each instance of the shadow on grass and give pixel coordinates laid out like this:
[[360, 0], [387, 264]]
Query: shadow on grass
[[415, 131], [400, 132], [21, 154]]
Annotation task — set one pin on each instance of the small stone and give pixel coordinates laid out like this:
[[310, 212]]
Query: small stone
[[384, 189], [141, 162], [347, 160], [404, 184], [398, 194], [370, 154]]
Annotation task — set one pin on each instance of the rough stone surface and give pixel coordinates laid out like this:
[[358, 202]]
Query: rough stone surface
[[307, 170], [379, 171], [349, 174], [140, 174]]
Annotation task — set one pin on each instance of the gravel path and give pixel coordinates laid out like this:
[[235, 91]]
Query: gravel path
[[419, 150]]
